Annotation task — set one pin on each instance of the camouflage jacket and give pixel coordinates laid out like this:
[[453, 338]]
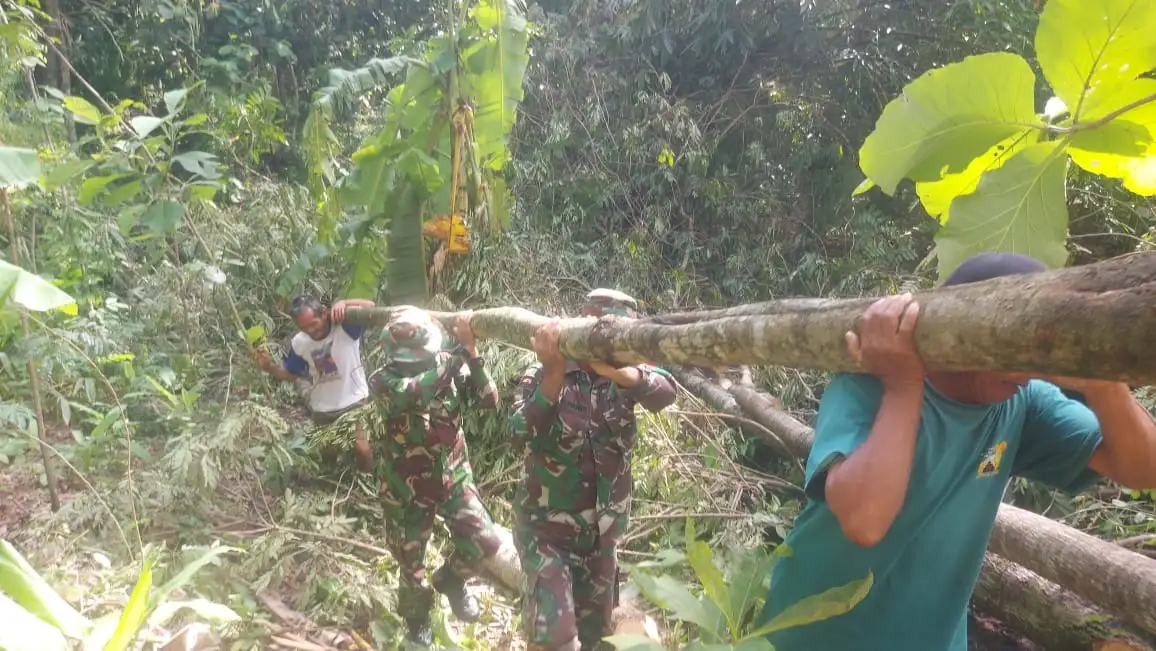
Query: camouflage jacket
[[578, 451], [425, 411]]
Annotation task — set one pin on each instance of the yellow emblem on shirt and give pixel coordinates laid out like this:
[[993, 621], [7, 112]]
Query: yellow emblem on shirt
[[990, 464]]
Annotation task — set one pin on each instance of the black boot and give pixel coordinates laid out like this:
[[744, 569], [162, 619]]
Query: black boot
[[420, 631], [465, 606]]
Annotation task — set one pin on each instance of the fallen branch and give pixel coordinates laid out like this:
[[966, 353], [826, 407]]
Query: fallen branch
[[1055, 618], [1090, 321]]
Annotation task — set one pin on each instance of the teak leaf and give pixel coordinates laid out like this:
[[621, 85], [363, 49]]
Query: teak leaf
[[1020, 207], [936, 196], [1087, 50], [949, 116], [1124, 148]]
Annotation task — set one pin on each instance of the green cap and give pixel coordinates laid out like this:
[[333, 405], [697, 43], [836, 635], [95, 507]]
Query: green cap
[[420, 344], [602, 302]]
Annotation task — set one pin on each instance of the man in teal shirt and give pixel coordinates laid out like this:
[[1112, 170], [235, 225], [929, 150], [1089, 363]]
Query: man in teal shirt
[[908, 469]]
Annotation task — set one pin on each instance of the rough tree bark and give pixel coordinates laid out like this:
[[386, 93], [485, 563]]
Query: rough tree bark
[[1051, 616], [1090, 321], [1113, 578]]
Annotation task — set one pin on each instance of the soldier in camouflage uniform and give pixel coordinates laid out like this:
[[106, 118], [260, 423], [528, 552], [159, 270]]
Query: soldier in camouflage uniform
[[423, 463], [577, 424]]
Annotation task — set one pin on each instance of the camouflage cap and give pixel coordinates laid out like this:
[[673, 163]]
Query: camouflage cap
[[422, 341], [602, 302]]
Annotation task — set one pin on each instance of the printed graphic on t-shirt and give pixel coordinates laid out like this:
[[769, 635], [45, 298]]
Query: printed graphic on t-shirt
[[990, 464], [324, 363]]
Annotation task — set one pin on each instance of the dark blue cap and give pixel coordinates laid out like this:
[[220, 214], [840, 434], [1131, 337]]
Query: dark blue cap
[[985, 266]]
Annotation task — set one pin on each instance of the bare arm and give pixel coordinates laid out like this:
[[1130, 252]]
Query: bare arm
[[1127, 454], [866, 490]]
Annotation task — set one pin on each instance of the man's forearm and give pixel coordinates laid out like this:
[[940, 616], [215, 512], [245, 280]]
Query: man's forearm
[[1128, 451], [866, 490], [552, 380]]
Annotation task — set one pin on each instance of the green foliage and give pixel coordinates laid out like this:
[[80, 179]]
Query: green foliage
[[726, 612], [32, 608], [993, 170], [31, 291], [444, 135]]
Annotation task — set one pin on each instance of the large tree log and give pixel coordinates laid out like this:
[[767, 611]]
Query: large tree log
[[1048, 614], [1091, 321], [1120, 581]]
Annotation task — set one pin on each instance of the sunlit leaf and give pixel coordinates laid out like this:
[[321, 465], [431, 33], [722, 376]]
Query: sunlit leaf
[[31, 291], [1087, 50], [816, 608], [23, 631], [31, 593], [254, 334], [866, 185], [947, 117], [495, 70], [174, 99], [145, 124], [1019, 208], [82, 110], [19, 167], [1125, 147], [135, 612], [936, 196]]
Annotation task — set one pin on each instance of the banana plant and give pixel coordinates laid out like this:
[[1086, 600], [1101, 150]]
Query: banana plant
[[33, 617], [434, 166]]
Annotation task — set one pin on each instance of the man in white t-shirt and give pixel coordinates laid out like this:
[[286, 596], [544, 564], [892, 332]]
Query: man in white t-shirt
[[330, 357]]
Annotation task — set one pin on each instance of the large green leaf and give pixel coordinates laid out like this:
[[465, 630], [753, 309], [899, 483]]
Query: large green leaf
[[1088, 49], [1020, 208], [135, 612], [82, 110], [747, 578], [1124, 148], [19, 167], [163, 216], [31, 291], [405, 273], [816, 608], [20, 630], [495, 67], [670, 594], [936, 196], [949, 116], [20, 581], [702, 562]]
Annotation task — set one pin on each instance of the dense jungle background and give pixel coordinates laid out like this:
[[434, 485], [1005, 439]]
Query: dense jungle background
[[201, 162]]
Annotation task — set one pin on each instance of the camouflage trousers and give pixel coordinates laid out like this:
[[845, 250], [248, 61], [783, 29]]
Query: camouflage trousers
[[571, 579], [412, 494]]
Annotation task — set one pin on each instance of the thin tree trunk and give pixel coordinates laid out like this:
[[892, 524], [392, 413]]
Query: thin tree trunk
[[57, 66], [1091, 321], [33, 376]]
